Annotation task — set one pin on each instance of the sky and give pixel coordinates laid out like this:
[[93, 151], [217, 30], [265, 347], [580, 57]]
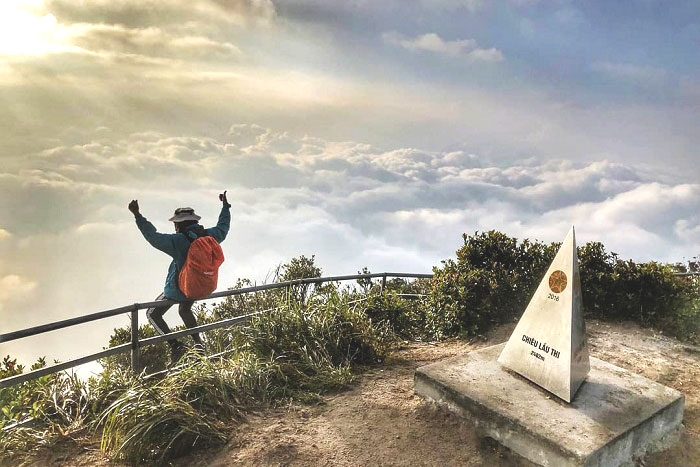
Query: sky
[[368, 133]]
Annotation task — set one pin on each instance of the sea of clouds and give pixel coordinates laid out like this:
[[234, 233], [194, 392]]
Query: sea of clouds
[[70, 246]]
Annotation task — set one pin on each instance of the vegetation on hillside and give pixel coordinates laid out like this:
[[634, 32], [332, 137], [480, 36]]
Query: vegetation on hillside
[[311, 339], [494, 277], [304, 345]]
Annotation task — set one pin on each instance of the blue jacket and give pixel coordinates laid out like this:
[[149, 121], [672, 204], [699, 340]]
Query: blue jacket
[[177, 246]]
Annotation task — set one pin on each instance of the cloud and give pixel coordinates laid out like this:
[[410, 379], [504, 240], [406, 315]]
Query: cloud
[[528, 3], [687, 230], [450, 5], [262, 10], [354, 183], [432, 42], [144, 13], [185, 30], [631, 72], [350, 203], [13, 288], [147, 41], [191, 88]]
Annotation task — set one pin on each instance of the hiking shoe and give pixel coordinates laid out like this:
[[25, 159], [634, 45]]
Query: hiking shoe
[[176, 353]]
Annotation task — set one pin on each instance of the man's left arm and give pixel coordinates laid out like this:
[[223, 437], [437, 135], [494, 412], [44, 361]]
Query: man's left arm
[[222, 226]]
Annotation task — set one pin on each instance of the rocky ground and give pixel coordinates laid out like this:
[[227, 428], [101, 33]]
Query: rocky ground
[[379, 421]]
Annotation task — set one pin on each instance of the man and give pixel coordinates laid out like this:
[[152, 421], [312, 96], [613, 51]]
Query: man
[[177, 245]]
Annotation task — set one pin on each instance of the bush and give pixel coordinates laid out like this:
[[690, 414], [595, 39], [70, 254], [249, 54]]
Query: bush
[[494, 277], [57, 405], [153, 357], [300, 352], [491, 281], [314, 343], [159, 420], [402, 316]]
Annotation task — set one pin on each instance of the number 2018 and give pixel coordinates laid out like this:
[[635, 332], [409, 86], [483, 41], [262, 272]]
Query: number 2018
[[551, 296]]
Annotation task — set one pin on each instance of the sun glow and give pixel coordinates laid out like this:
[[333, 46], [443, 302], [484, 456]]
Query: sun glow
[[24, 31]]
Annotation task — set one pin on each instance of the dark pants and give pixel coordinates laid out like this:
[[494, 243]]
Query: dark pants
[[155, 317]]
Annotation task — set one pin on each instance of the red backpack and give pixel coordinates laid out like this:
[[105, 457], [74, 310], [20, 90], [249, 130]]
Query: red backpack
[[200, 273]]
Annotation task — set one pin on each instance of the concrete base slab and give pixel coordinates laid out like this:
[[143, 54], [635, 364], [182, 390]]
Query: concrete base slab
[[615, 416]]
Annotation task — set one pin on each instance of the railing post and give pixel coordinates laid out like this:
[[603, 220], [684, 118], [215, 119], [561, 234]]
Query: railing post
[[135, 357], [383, 283]]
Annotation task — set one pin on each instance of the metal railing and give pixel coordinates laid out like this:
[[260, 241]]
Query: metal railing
[[135, 344]]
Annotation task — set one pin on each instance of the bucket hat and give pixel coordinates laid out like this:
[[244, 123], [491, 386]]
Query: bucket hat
[[184, 214]]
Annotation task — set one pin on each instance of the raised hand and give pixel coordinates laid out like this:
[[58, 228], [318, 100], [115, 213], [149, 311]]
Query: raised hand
[[222, 197], [134, 206]]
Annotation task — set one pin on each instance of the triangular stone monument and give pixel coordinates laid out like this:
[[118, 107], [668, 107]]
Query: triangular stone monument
[[548, 345]]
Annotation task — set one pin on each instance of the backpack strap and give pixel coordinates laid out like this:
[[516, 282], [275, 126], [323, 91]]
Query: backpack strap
[[188, 237], [200, 232]]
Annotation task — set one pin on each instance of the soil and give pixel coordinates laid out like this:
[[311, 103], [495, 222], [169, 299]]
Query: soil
[[379, 421]]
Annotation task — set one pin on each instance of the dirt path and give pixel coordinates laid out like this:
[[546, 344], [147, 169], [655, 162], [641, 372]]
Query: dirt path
[[380, 422]]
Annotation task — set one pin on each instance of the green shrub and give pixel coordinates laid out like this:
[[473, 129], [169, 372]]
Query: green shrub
[[494, 277], [153, 357], [403, 316], [161, 419], [298, 351], [315, 343], [57, 405]]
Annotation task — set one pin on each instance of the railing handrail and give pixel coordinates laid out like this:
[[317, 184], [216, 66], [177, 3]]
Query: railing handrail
[[135, 343], [19, 334]]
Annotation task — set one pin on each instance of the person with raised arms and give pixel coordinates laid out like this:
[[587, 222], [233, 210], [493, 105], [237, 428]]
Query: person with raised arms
[[193, 272]]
